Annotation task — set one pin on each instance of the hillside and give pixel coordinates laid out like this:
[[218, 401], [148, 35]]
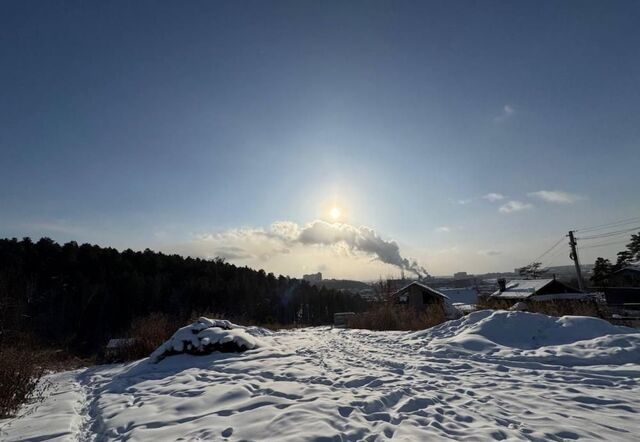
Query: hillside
[[79, 296]]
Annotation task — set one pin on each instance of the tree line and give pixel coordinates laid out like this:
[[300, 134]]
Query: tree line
[[603, 268], [79, 296]]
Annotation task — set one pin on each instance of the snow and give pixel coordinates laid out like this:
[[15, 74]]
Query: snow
[[521, 288], [488, 376], [117, 343], [207, 335], [561, 296], [461, 295]]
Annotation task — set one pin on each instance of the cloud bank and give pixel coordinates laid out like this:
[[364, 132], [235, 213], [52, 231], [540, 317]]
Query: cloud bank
[[283, 235]]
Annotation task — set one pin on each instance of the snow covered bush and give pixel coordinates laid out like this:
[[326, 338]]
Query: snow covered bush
[[20, 373], [208, 335]]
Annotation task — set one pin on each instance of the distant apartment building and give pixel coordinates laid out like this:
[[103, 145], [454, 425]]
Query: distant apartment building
[[460, 275], [312, 277]]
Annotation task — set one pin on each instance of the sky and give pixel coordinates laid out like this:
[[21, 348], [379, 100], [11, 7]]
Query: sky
[[448, 136]]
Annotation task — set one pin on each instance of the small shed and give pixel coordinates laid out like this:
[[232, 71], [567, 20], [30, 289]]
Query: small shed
[[420, 297], [341, 320], [117, 347], [548, 296], [623, 297], [628, 276]]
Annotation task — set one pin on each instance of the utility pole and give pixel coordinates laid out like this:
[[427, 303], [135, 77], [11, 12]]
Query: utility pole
[[574, 257]]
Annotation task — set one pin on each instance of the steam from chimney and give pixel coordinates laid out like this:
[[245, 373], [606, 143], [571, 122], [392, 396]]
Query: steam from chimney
[[283, 235], [362, 239]]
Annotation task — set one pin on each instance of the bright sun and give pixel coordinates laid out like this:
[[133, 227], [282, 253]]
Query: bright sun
[[335, 213]]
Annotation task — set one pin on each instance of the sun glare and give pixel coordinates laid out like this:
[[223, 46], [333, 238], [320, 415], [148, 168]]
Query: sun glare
[[335, 213]]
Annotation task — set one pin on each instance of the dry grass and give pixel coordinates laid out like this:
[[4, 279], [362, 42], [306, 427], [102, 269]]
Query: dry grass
[[572, 307], [21, 369], [147, 334], [566, 308], [387, 316]]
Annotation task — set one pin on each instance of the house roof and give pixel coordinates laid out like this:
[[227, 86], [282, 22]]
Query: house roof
[[521, 288], [120, 342], [422, 287], [634, 267]]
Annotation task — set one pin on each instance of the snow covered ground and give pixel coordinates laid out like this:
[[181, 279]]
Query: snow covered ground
[[487, 376]]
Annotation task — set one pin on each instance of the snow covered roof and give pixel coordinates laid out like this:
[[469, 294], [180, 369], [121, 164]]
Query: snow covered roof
[[634, 266], [120, 342], [558, 296], [521, 288], [422, 287], [468, 295], [530, 289]]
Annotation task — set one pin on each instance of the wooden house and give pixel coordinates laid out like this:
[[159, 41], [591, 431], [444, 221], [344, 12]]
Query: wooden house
[[543, 295], [422, 297]]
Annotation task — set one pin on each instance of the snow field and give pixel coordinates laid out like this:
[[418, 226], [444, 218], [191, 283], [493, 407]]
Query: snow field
[[487, 376]]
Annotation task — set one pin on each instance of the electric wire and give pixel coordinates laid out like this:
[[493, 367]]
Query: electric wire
[[550, 248], [609, 225], [608, 243], [609, 234]]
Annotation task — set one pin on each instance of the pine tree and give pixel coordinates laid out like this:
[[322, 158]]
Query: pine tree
[[601, 271], [532, 271]]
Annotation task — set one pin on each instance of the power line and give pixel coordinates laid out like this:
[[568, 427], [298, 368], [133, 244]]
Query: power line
[[550, 248], [612, 224], [609, 243], [608, 234], [553, 256]]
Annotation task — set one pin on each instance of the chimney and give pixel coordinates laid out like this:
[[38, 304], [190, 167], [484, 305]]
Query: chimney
[[502, 283]]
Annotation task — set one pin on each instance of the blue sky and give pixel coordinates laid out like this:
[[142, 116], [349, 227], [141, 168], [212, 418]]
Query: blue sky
[[190, 127]]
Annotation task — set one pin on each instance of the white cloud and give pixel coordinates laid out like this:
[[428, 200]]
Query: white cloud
[[493, 197], [282, 236], [462, 202], [556, 196], [514, 206], [508, 111], [443, 229]]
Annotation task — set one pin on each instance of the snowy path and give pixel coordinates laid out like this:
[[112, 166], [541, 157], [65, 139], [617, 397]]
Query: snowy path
[[327, 384]]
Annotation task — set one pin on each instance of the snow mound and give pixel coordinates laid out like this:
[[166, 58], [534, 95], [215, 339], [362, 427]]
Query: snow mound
[[208, 335], [566, 340]]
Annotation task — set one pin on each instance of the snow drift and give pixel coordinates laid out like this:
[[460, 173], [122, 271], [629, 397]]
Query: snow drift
[[566, 340], [208, 335]]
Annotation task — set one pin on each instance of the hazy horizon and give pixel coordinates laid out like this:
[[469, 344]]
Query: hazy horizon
[[353, 138]]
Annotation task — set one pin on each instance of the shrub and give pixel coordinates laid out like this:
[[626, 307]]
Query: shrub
[[388, 316], [144, 336], [21, 370], [565, 307]]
